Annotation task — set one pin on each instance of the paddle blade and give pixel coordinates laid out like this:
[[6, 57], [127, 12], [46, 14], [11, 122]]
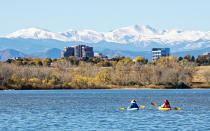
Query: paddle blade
[[141, 106], [122, 108], [152, 103], [177, 108]]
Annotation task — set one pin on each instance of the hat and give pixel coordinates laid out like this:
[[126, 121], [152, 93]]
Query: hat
[[133, 101], [166, 102]]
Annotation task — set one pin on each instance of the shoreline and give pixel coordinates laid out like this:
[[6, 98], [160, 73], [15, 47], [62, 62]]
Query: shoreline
[[111, 87]]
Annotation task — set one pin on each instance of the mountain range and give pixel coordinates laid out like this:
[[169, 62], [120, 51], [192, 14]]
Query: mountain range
[[127, 41]]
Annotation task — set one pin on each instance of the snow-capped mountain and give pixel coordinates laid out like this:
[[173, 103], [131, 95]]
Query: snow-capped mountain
[[138, 35], [131, 34], [36, 33], [88, 36]]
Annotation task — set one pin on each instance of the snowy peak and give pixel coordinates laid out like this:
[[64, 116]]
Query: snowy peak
[[131, 34], [35, 33], [28, 33], [142, 29], [136, 34], [89, 36]]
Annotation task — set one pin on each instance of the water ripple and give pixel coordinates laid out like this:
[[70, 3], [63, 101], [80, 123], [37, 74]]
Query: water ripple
[[98, 110]]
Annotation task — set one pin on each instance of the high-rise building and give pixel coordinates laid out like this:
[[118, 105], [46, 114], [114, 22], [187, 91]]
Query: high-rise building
[[206, 54], [68, 51], [87, 51], [159, 52], [78, 51]]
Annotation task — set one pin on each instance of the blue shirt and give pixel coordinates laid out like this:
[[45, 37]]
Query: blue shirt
[[134, 105]]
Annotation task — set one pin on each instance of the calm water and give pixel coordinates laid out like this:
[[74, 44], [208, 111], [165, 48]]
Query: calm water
[[58, 110]]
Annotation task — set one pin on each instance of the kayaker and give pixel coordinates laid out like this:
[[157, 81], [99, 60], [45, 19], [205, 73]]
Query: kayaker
[[166, 104], [133, 104]]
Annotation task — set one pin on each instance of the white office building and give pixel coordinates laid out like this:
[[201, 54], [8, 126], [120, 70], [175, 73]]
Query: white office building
[[159, 52]]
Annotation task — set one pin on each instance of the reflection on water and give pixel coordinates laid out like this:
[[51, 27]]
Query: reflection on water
[[99, 110]]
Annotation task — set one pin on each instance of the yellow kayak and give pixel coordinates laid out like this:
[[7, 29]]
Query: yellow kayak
[[164, 109]]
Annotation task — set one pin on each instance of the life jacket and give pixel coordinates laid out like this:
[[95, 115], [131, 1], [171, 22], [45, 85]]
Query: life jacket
[[166, 104], [134, 105]]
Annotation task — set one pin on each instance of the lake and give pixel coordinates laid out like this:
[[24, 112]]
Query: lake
[[59, 110]]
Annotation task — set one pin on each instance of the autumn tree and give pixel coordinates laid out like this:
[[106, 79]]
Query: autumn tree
[[201, 60], [47, 61], [188, 57], [140, 60], [126, 61]]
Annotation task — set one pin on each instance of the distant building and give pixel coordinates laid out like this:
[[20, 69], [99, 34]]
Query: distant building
[[78, 51], [206, 54], [100, 55], [17, 58], [68, 51], [159, 52], [87, 51]]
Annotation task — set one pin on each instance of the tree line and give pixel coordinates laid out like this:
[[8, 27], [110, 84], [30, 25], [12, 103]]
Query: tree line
[[94, 73], [105, 62]]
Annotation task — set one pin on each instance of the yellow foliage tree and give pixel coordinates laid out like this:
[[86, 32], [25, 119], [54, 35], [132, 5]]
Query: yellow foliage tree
[[167, 60], [23, 80], [125, 61], [140, 60], [15, 78], [103, 77], [35, 80]]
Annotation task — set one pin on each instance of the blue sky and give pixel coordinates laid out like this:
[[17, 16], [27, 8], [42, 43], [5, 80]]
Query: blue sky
[[103, 15]]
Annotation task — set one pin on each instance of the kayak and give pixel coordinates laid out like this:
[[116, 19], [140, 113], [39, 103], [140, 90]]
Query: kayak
[[132, 109], [164, 109]]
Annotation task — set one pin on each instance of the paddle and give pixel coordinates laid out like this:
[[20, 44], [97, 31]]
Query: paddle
[[152, 103], [126, 108], [175, 108]]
